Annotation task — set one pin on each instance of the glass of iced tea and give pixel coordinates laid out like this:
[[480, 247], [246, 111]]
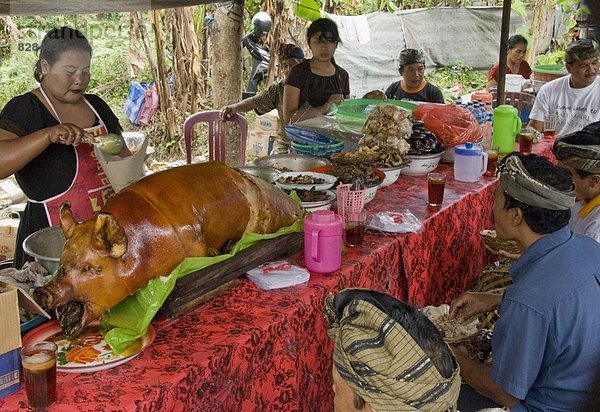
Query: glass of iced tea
[[355, 223], [526, 141], [39, 372], [549, 126], [492, 152], [435, 187]]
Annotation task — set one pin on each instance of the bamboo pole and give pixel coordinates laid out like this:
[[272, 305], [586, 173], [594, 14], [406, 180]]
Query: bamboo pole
[[503, 51]]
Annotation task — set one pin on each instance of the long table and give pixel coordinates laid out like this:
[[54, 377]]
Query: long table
[[254, 350]]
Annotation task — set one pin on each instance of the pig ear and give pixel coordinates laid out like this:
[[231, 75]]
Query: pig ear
[[109, 236], [67, 222]]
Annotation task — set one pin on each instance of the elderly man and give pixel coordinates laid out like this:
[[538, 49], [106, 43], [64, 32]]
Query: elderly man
[[388, 356], [574, 99], [413, 85], [545, 344], [579, 153]]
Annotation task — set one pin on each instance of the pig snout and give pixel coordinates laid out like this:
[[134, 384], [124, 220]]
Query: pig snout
[[52, 295]]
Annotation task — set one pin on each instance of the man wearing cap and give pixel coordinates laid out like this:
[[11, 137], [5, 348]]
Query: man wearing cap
[[579, 153], [574, 99], [388, 356], [272, 97], [545, 343], [413, 85]]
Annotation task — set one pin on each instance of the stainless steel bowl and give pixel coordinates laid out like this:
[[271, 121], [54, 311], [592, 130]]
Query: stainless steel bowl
[[292, 162], [46, 246], [268, 174]]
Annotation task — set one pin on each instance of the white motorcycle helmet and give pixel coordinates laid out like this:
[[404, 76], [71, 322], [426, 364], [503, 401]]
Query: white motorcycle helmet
[[261, 23]]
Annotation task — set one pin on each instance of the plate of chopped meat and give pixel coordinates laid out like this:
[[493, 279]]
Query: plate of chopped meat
[[305, 181], [452, 330]]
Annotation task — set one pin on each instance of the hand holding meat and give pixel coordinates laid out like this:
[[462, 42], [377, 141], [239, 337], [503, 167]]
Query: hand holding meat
[[149, 227], [470, 304]]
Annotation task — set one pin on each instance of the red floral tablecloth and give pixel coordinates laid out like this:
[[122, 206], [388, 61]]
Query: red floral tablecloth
[[252, 350]]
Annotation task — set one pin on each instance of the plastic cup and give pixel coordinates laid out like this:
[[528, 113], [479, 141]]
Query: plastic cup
[[492, 152], [355, 223], [526, 141], [436, 183], [39, 372], [549, 126]]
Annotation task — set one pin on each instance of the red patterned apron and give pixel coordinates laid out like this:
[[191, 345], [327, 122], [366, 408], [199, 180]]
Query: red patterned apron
[[90, 189]]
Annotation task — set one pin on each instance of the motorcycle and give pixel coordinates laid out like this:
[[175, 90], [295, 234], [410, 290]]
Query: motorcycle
[[261, 24]]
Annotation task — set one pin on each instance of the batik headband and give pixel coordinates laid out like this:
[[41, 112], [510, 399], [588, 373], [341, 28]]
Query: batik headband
[[518, 183], [382, 363]]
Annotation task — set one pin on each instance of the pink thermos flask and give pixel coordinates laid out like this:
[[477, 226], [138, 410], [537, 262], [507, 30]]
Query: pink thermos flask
[[323, 241]]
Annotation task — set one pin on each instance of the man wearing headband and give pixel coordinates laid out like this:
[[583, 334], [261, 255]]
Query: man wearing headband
[[574, 99], [272, 97], [388, 356], [545, 343], [413, 85], [579, 153]]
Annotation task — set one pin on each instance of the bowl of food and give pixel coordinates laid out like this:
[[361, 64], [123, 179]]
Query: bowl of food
[[391, 175], [370, 192], [305, 181], [347, 174], [292, 162], [268, 174], [421, 165], [312, 200], [46, 246], [492, 241]]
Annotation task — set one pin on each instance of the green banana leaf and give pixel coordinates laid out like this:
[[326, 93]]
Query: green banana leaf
[[307, 9], [129, 320]]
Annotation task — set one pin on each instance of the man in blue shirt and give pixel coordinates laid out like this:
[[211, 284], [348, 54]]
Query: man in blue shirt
[[546, 344]]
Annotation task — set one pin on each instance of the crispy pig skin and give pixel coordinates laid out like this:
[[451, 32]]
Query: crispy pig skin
[[148, 228]]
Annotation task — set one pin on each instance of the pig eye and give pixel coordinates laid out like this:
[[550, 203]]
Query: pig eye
[[93, 270]]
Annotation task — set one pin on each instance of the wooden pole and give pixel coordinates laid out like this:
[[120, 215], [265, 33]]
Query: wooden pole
[[503, 51], [226, 57]]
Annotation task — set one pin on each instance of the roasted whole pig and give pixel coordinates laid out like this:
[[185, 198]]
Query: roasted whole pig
[[148, 228]]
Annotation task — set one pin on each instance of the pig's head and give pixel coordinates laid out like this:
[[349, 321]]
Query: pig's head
[[89, 268]]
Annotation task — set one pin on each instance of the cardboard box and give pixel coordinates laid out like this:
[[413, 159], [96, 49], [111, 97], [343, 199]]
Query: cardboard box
[[267, 123], [10, 338], [8, 238], [10, 342], [260, 144]]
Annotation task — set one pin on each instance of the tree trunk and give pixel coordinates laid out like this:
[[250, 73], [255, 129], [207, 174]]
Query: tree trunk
[[226, 58], [541, 25], [162, 82]]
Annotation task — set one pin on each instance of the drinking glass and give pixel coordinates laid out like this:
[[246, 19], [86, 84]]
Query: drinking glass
[[355, 223], [39, 372], [492, 152], [526, 141], [549, 126], [436, 183]]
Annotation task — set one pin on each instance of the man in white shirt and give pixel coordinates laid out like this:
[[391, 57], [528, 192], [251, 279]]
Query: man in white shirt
[[574, 99]]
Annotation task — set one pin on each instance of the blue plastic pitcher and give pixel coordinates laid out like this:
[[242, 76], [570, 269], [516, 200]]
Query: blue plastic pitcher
[[507, 125]]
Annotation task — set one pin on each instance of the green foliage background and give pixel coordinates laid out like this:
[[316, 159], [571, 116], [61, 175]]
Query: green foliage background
[[109, 37]]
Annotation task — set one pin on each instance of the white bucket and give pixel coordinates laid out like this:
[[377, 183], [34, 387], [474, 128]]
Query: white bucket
[[122, 171], [513, 82]]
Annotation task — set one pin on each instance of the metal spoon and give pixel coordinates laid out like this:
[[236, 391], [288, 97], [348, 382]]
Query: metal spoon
[[111, 143]]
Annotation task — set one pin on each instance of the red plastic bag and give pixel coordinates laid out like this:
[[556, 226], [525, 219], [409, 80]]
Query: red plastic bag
[[451, 124]]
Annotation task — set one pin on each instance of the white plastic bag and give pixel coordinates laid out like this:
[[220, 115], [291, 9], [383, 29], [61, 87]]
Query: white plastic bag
[[402, 221], [278, 274]]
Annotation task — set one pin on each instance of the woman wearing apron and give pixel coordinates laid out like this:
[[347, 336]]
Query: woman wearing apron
[[40, 135]]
